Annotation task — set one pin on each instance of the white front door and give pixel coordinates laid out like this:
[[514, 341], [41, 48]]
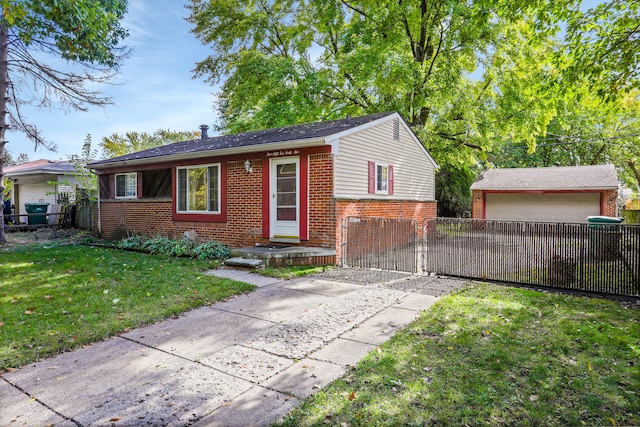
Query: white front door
[[285, 200]]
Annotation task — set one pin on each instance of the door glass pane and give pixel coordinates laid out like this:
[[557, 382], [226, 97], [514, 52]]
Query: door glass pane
[[286, 195], [286, 214]]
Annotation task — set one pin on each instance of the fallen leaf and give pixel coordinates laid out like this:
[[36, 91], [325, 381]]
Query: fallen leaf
[[47, 297], [28, 312], [114, 419], [1, 324], [533, 397], [352, 395]]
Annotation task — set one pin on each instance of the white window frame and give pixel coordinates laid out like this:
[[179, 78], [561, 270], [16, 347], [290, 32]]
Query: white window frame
[[219, 190], [127, 177], [379, 181]]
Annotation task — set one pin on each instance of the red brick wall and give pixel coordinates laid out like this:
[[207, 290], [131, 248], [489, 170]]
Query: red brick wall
[[322, 223], [403, 209], [477, 204], [244, 210], [608, 204]]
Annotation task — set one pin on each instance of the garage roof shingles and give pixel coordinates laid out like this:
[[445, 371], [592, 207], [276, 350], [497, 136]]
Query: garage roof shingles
[[561, 178]]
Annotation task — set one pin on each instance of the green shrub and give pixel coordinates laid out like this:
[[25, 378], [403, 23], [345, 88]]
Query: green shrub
[[211, 250], [180, 248], [132, 242]]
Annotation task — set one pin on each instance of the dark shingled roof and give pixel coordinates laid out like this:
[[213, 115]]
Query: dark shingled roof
[[597, 177], [60, 167], [247, 139]]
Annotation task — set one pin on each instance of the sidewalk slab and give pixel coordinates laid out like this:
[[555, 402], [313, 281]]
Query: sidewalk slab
[[322, 287], [257, 407], [301, 336], [418, 302], [304, 378], [199, 333], [18, 409], [185, 392], [243, 276], [273, 303], [121, 379], [382, 326], [247, 363], [342, 352]]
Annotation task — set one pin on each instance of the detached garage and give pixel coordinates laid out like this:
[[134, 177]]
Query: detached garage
[[556, 194]]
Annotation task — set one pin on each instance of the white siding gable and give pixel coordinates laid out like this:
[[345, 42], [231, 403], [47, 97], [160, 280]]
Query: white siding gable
[[414, 169]]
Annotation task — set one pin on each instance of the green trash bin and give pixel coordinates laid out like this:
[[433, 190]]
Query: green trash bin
[[36, 208], [604, 237]]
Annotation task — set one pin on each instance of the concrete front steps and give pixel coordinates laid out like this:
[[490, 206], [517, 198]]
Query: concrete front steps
[[281, 256]]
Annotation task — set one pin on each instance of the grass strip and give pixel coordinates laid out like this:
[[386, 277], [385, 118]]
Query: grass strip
[[55, 298], [490, 355]]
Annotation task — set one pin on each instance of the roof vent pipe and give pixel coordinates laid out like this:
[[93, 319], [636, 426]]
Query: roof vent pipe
[[203, 131]]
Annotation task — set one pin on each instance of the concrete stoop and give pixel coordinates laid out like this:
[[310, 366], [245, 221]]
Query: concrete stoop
[[281, 256]]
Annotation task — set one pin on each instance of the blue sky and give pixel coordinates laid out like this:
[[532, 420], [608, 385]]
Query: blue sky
[[154, 90]]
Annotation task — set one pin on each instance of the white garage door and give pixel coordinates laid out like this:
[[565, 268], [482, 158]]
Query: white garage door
[[553, 207]]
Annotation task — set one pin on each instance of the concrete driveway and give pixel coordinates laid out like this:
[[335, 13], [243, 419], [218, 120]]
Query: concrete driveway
[[244, 361]]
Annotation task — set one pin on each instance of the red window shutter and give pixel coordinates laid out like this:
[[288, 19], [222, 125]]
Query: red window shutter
[[390, 177], [112, 186], [139, 185], [372, 177]]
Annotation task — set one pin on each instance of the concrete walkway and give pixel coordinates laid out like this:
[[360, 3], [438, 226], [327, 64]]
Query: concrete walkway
[[244, 361]]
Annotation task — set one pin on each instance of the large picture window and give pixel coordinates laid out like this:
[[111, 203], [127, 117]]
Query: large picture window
[[198, 189], [126, 185]]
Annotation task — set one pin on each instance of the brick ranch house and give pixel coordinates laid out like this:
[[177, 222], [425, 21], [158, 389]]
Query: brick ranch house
[[553, 194], [292, 185]]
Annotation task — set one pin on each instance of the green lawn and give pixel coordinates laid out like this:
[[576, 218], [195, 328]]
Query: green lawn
[[490, 355], [55, 297]]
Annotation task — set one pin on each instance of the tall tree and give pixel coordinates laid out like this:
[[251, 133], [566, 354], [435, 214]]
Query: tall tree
[[86, 33], [604, 44], [468, 76], [116, 145]]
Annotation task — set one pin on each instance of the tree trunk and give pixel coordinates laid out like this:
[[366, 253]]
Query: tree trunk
[[635, 170], [4, 54]]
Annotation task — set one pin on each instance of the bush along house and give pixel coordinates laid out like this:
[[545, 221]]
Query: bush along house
[[288, 186]]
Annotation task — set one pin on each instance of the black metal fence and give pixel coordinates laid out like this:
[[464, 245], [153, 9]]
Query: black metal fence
[[387, 244], [601, 258]]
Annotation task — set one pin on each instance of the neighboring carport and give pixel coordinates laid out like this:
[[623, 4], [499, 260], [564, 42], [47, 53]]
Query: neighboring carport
[[555, 194]]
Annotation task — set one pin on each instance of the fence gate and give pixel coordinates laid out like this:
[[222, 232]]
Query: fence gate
[[84, 214], [386, 244], [598, 258]]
